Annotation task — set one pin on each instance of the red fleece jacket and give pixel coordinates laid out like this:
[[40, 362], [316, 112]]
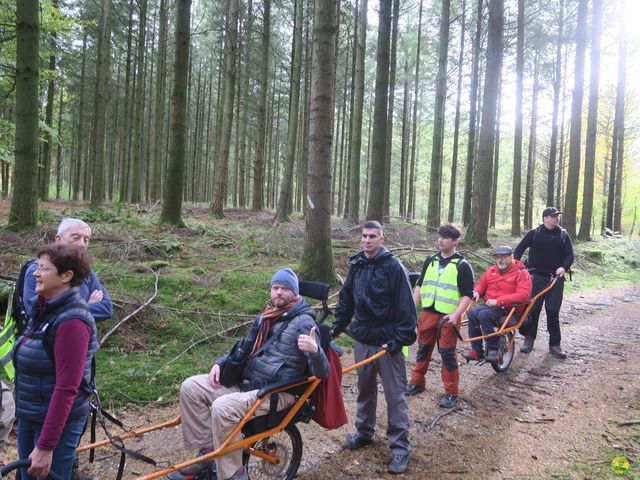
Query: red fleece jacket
[[508, 287]]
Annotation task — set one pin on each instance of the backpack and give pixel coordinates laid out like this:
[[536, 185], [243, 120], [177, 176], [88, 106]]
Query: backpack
[[563, 235], [18, 312]]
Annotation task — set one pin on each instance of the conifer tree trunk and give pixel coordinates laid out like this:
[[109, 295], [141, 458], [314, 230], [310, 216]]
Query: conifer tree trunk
[[136, 162], [317, 258], [125, 141], [242, 201], [24, 203], [44, 177], [376, 172], [473, 105], [155, 190], [356, 120], [557, 83], [392, 88], [532, 150], [573, 174], [172, 199], [286, 190], [59, 151], [496, 160], [614, 198], [411, 203], [100, 106], [222, 165], [483, 172], [435, 183], [517, 140], [592, 125], [258, 165], [404, 154], [456, 128]]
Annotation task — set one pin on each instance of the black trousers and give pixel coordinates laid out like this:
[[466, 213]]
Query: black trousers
[[552, 302]]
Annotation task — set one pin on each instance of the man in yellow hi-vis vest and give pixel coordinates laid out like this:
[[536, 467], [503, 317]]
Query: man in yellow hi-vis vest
[[443, 291]]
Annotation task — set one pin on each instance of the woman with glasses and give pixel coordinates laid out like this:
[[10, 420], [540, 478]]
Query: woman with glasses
[[53, 360]]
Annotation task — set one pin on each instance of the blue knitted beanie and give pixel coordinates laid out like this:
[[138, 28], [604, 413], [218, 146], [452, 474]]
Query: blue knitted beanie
[[287, 278]]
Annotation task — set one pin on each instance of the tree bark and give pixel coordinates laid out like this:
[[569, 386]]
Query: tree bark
[[592, 125], [24, 203], [376, 192], [317, 257], [557, 83], [159, 106], [517, 140], [356, 120], [411, 203], [435, 183], [258, 165], [473, 105], [222, 165], [573, 174], [284, 201], [483, 172], [100, 106], [456, 128], [172, 204], [532, 150]]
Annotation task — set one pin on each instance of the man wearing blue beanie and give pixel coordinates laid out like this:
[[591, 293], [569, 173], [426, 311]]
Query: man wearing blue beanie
[[287, 278], [285, 344]]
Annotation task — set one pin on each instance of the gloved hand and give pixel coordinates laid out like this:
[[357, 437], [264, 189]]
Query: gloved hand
[[335, 331], [393, 347]]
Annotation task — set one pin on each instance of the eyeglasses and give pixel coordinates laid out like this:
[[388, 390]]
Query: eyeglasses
[[43, 269]]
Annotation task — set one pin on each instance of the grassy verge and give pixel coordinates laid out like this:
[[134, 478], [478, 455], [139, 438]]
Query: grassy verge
[[618, 459]]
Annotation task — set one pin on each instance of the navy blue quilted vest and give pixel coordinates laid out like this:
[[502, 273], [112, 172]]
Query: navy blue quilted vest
[[34, 361]]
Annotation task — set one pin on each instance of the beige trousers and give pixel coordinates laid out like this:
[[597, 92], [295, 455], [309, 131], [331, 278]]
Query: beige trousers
[[209, 416]]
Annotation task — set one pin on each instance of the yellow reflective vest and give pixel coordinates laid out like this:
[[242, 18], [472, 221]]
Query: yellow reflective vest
[[440, 288], [7, 339]]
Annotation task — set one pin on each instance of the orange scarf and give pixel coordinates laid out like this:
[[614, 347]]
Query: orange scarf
[[270, 315]]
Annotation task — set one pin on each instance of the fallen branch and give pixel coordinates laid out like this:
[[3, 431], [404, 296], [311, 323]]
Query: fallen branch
[[536, 420], [132, 314], [628, 423], [437, 419]]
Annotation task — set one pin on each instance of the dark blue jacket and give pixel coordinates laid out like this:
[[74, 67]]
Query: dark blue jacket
[[33, 357], [377, 294], [101, 310]]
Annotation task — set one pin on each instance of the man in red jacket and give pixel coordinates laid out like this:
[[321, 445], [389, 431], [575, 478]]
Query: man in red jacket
[[502, 285]]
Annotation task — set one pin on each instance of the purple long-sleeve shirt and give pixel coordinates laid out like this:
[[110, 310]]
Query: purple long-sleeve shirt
[[70, 348]]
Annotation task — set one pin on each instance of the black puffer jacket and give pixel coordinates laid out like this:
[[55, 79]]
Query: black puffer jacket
[[279, 358], [378, 294]]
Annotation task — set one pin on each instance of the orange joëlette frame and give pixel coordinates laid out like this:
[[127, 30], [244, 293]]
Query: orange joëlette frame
[[244, 443], [503, 328]]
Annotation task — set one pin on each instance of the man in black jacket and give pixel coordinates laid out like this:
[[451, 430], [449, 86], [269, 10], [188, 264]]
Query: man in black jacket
[[550, 253], [377, 295]]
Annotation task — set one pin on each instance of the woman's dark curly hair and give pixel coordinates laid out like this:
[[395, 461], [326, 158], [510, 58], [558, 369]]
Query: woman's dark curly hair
[[68, 258]]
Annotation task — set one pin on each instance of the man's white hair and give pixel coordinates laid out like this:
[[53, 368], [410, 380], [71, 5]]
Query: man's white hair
[[67, 223]]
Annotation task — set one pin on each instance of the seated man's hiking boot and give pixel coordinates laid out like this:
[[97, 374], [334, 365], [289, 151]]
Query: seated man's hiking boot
[[473, 355], [493, 357], [355, 442], [557, 352], [413, 389], [527, 345], [399, 463], [448, 400], [199, 471]]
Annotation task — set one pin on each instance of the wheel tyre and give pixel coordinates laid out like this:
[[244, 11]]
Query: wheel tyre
[[289, 443], [507, 347]]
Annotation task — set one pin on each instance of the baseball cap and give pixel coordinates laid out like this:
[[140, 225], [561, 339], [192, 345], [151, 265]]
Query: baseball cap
[[549, 211], [503, 250]]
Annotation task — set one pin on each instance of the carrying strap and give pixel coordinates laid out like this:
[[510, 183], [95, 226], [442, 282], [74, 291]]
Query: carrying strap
[[98, 414]]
